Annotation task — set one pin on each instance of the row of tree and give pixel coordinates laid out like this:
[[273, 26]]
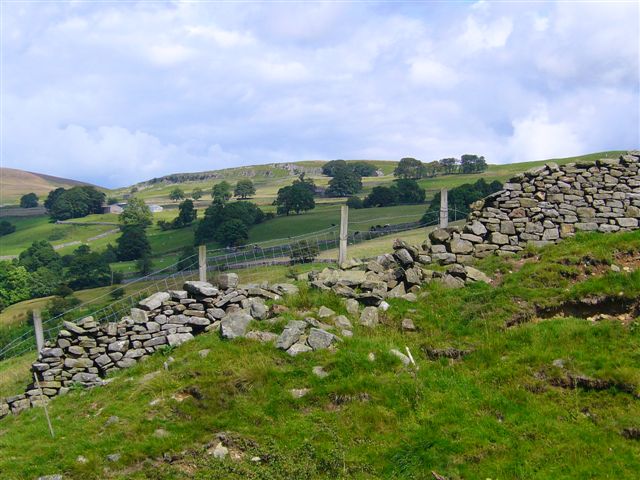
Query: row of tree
[[461, 197], [402, 191], [244, 189], [415, 169], [40, 271]]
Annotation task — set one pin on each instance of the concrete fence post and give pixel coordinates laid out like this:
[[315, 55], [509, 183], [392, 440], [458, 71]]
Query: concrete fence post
[[444, 208], [344, 232], [37, 326], [202, 263]]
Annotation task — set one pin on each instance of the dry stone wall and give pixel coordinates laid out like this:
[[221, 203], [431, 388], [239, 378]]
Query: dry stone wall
[[544, 205], [85, 352]]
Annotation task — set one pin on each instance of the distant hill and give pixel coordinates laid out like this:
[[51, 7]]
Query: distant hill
[[14, 183]]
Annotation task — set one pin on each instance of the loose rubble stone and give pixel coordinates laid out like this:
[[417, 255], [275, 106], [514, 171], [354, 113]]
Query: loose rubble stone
[[227, 280], [235, 324], [320, 339], [408, 325], [324, 312], [320, 372], [369, 317]]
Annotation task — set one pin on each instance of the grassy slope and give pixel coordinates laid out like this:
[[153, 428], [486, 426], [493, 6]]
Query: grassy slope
[[14, 183], [490, 415]]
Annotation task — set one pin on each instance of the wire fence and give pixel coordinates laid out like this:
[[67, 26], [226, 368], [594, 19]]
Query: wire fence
[[111, 307]]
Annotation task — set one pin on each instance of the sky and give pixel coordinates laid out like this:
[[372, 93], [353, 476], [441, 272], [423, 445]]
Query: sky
[[118, 92]]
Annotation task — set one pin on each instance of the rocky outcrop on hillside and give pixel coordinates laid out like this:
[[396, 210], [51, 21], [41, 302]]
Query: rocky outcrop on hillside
[[544, 205]]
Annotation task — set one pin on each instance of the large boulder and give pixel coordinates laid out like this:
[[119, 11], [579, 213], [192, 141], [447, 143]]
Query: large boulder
[[291, 334], [320, 339], [235, 324], [439, 236], [227, 280], [203, 289]]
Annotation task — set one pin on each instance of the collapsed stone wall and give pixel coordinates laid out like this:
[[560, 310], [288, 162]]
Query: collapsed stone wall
[[544, 205], [85, 352]]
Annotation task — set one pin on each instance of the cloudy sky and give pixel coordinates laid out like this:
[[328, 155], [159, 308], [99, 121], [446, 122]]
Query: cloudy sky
[[118, 92]]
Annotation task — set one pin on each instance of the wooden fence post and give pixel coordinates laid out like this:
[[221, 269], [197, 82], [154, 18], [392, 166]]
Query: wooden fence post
[[202, 263], [344, 232], [444, 208], [37, 326]]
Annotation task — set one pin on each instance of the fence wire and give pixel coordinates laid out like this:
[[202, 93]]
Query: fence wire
[[107, 308]]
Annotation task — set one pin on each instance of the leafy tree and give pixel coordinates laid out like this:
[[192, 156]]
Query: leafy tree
[[297, 197], [197, 193], [329, 169], [218, 213], [40, 254], [244, 188], [408, 191], [363, 169], [30, 200], [76, 202], [133, 190], [6, 228], [133, 243], [88, 269], [345, 182], [461, 197], [136, 212], [381, 197], [409, 168], [112, 201], [176, 194], [52, 197], [432, 169], [144, 265], [303, 252], [110, 254], [187, 214], [472, 164], [45, 282], [449, 165], [355, 202], [221, 192], [14, 284], [232, 233]]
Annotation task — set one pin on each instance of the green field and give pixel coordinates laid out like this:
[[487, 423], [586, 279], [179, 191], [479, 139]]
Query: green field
[[496, 413]]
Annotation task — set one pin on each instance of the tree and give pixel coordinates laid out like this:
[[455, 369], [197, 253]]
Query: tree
[[363, 169], [449, 165], [381, 197], [40, 254], [133, 243], [144, 265], [232, 233], [355, 202], [14, 284], [176, 194], [244, 188], [303, 252], [409, 168], [472, 164], [197, 193], [329, 168], [219, 213], [75, 202], [30, 200], [221, 192], [52, 197], [297, 197], [88, 269], [408, 191], [6, 227], [187, 214], [136, 212], [461, 198], [112, 201], [344, 183], [432, 169], [44, 282]]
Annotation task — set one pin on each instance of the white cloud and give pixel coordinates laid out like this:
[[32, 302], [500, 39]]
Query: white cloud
[[114, 93]]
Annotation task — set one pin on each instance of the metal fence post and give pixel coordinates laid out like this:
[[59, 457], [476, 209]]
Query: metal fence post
[[344, 231], [37, 326], [444, 208], [202, 263]]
